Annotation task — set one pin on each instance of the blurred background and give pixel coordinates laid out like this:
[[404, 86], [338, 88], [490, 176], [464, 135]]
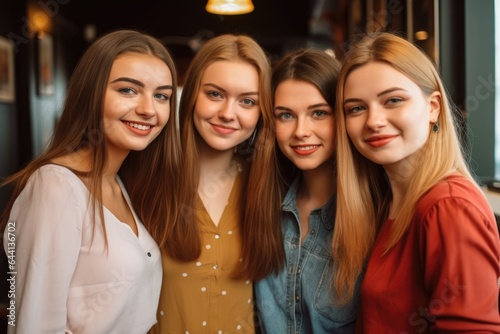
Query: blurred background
[[41, 41]]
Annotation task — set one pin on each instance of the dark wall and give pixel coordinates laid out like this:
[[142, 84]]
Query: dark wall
[[9, 135], [10, 113], [185, 18], [277, 25]]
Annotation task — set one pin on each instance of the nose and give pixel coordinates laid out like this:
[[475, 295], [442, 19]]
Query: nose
[[303, 129], [226, 112], [146, 107], [376, 119]]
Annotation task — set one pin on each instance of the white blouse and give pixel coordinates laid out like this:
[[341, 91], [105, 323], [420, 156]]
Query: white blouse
[[66, 281]]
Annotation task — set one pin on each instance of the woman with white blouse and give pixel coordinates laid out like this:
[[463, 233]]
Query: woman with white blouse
[[81, 260]]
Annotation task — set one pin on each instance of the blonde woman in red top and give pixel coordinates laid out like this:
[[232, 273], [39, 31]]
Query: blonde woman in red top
[[407, 201]]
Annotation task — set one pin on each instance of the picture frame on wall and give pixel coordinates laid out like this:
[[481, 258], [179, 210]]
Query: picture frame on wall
[[6, 70], [45, 64]]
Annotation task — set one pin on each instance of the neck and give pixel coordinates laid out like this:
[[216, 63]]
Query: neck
[[215, 161], [399, 184], [114, 161], [317, 185], [81, 161], [398, 181]]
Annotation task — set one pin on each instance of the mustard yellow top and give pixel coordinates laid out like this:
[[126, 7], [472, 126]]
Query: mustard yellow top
[[200, 296]]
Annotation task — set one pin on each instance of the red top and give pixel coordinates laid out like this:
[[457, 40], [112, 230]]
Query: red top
[[443, 275]]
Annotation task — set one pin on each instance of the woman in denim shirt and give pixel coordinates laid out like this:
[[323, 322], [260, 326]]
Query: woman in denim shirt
[[300, 297]]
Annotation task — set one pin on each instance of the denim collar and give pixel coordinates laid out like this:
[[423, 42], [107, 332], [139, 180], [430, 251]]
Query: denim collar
[[327, 211]]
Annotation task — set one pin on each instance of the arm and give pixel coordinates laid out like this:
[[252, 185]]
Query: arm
[[47, 220], [461, 250]]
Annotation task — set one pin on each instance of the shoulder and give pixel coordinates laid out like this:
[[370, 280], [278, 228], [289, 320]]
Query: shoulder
[[54, 181], [454, 198], [56, 174], [53, 196], [454, 188]]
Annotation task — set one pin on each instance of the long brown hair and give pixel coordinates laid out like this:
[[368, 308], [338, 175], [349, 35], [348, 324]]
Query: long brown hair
[[272, 171], [80, 126], [180, 236], [363, 193]]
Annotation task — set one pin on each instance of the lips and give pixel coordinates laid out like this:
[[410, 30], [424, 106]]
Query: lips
[[138, 128], [224, 130], [305, 149], [379, 141]]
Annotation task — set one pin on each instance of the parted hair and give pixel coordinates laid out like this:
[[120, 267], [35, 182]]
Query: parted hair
[[272, 172], [80, 126], [309, 65], [363, 192], [180, 236]]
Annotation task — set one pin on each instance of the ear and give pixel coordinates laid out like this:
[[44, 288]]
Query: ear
[[434, 106]]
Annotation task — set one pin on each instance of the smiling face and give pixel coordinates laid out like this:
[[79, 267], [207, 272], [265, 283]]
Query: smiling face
[[227, 107], [305, 124], [387, 115], [136, 102]]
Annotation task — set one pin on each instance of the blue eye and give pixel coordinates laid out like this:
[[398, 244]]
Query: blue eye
[[248, 102], [214, 94], [127, 91], [394, 100], [284, 116], [162, 96], [319, 113], [353, 109]]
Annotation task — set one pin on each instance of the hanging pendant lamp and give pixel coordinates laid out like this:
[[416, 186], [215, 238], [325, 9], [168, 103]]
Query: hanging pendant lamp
[[229, 7]]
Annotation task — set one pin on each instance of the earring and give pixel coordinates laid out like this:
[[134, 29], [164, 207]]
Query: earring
[[435, 127]]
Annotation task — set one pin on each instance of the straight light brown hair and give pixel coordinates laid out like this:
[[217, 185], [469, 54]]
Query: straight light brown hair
[[180, 235], [80, 126]]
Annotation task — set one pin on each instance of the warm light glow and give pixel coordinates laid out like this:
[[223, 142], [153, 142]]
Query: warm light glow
[[421, 35], [229, 7], [38, 20]]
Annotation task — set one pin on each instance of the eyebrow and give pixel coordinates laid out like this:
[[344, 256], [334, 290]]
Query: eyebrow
[[308, 108], [223, 90], [318, 105], [387, 91], [390, 90], [139, 83]]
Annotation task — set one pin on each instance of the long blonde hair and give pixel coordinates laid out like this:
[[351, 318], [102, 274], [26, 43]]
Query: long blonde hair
[[363, 194]]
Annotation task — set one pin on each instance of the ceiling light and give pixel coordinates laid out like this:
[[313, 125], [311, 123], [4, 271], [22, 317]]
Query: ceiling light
[[229, 7]]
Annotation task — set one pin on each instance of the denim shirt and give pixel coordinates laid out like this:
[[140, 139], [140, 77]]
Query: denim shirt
[[300, 298]]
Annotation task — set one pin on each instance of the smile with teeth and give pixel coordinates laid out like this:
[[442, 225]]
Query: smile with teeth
[[138, 126], [305, 148]]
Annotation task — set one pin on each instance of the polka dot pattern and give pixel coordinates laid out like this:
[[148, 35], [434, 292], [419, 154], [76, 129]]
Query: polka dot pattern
[[207, 279]]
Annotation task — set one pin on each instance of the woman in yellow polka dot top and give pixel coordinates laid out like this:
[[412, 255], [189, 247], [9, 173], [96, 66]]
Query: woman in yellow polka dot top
[[207, 282]]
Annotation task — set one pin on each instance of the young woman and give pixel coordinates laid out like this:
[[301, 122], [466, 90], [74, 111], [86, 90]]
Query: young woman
[[406, 193], [206, 287], [80, 257], [299, 298]]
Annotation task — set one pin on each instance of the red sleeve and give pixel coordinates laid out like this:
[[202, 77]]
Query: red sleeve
[[461, 261]]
